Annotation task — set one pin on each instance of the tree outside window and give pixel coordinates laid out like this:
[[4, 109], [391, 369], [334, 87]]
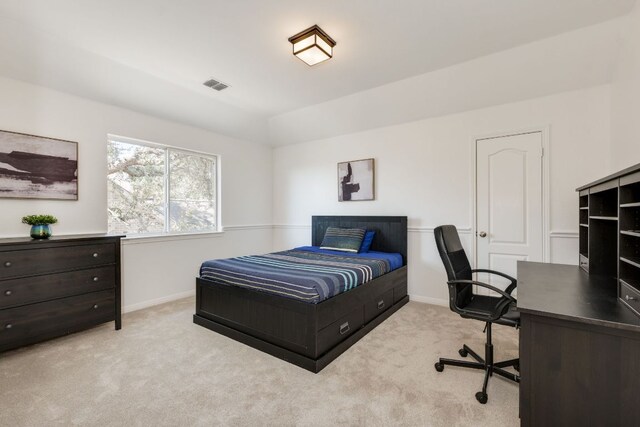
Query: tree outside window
[[155, 189]]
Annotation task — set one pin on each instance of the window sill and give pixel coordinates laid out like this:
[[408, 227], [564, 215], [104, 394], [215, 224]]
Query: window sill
[[136, 239]]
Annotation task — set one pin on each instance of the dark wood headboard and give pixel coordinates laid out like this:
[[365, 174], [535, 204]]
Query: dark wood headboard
[[391, 231]]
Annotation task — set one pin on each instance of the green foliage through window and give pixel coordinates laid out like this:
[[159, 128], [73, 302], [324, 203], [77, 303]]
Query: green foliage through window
[[156, 189]]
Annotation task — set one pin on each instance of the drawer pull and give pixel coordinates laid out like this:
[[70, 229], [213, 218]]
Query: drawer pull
[[95, 278], [380, 304], [628, 298], [95, 306], [7, 264], [95, 254], [7, 293], [8, 326], [344, 328]]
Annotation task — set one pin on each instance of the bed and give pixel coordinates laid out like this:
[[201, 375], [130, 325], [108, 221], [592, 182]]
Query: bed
[[311, 333]]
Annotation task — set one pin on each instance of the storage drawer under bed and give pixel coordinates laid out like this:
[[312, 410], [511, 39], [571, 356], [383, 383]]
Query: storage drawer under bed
[[339, 330], [377, 305]]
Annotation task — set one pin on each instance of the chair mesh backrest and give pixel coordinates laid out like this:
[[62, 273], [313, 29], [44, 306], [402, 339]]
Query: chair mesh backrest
[[455, 262]]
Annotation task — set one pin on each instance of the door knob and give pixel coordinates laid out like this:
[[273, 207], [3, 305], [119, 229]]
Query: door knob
[[482, 234]]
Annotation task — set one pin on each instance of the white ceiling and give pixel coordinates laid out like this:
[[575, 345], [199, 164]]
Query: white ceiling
[[153, 55]]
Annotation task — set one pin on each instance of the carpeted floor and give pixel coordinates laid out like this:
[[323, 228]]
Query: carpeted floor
[[162, 370]]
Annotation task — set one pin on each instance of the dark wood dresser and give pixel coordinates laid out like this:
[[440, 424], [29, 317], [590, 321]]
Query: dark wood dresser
[[53, 287]]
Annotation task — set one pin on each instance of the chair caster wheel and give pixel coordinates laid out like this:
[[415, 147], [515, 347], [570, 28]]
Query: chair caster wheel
[[462, 352], [439, 367], [482, 397]]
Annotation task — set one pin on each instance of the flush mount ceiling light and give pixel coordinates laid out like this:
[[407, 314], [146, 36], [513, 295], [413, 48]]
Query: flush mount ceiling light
[[312, 45]]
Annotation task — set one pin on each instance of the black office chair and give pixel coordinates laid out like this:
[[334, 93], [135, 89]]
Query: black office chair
[[489, 309]]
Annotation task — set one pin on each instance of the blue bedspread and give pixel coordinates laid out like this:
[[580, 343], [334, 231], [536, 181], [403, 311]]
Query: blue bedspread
[[304, 274]]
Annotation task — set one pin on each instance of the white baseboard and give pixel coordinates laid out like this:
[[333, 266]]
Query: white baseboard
[[429, 300], [158, 301]]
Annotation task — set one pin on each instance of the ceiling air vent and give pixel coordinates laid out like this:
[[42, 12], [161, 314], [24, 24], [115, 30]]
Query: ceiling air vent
[[215, 84]]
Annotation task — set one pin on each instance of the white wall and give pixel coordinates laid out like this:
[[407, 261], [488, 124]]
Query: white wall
[[414, 156], [423, 170], [153, 270], [625, 96]]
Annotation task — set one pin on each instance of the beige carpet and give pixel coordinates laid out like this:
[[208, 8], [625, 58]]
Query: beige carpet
[[162, 370]]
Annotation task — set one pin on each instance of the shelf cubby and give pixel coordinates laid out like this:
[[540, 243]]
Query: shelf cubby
[[630, 247], [632, 261], [584, 200], [604, 204], [603, 248], [630, 219], [629, 274], [584, 216], [609, 231], [630, 191], [632, 283], [584, 242], [583, 234], [629, 269]]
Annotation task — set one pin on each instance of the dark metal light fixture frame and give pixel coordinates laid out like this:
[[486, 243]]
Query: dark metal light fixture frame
[[314, 31]]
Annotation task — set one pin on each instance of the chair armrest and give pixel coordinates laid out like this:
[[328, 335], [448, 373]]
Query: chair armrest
[[510, 288], [483, 285]]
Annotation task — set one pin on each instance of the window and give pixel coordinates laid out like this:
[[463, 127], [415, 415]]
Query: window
[[154, 189]]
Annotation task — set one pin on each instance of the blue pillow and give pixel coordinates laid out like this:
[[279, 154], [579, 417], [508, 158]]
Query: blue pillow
[[366, 242], [343, 239]]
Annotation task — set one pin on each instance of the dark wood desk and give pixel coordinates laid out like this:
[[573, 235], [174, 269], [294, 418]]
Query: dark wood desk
[[579, 349]]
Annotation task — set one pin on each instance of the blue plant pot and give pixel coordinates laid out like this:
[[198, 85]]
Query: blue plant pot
[[41, 231]]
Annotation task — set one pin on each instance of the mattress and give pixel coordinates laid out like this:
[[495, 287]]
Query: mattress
[[307, 274]]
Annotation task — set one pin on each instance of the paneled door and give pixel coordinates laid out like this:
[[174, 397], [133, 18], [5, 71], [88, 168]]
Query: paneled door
[[509, 203]]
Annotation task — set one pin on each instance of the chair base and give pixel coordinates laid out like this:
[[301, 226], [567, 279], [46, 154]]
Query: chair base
[[486, 364]]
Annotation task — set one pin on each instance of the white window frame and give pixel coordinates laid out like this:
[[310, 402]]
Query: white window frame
[[167, 175]]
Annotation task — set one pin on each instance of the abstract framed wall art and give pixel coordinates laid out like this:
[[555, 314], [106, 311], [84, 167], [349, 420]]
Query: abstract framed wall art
[[356, 180], [36, 167]]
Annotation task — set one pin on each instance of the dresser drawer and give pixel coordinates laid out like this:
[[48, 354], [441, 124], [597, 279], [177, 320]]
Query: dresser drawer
[[630, 296], [49, 260], [377, 305], [16, 292], [339, 330], [26, 324]]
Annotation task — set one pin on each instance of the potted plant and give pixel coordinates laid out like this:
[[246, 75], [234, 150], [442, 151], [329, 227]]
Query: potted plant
[[40, 225]]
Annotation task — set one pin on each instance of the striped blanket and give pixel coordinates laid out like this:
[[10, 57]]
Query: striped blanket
[[305, 276]]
